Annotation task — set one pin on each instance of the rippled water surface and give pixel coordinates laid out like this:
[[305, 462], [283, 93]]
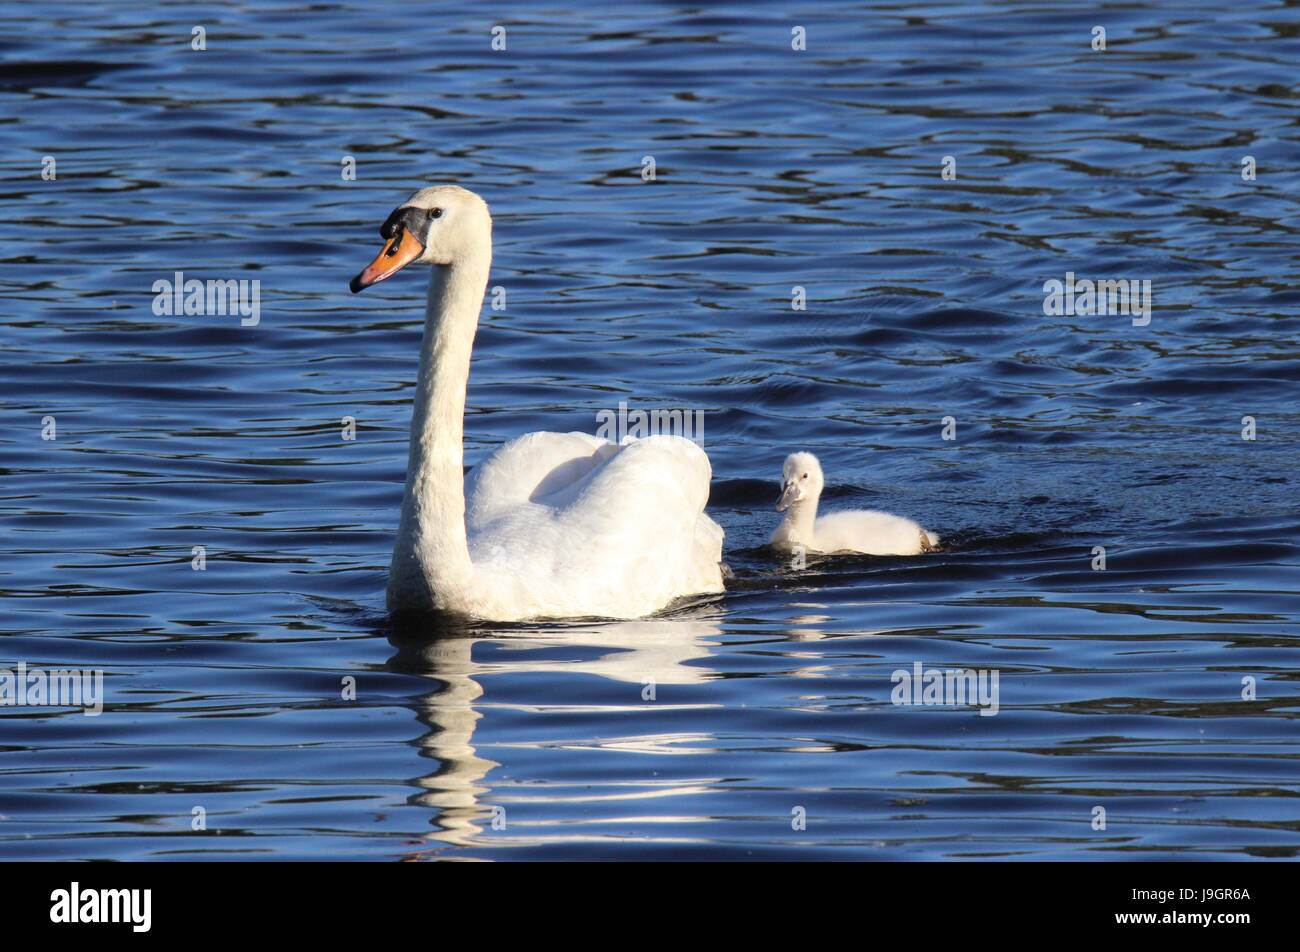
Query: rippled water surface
[[775, 168]]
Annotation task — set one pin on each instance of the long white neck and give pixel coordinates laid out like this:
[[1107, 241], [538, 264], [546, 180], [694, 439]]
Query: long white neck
[[431, 565]]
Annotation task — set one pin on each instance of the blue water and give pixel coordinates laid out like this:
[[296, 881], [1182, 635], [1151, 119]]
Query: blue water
[[775, 168]]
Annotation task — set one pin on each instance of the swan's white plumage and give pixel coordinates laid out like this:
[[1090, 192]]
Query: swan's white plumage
[[866, 531], [535, 464], [551, 525], [569, 525]]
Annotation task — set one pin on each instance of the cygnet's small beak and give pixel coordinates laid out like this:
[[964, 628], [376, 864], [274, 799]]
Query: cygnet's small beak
[[397, 253], [789, 494]]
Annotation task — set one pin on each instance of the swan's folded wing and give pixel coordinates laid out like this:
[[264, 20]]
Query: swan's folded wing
[[623, 541], [649, 472], [529, 467]]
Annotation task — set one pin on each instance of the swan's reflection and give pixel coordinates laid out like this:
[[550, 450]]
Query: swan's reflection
[[645, 653]]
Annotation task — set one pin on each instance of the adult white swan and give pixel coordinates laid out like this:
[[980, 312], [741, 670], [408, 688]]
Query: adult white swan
[[552, 525]]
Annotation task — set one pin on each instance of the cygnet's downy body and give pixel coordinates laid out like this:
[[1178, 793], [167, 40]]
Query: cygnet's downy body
[[864, 531]]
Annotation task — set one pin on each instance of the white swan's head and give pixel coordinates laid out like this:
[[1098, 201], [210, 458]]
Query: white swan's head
[[801, 480], [441, 224]]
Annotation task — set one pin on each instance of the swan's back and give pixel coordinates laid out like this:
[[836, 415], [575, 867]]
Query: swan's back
[[565, 525], [532, 465]]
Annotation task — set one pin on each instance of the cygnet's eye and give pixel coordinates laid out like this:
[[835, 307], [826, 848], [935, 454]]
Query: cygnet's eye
[[804, 476], [435, 212]]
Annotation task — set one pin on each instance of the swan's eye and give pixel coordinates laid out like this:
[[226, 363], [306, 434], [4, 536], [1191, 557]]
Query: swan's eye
[[804, 476], [435, 212]]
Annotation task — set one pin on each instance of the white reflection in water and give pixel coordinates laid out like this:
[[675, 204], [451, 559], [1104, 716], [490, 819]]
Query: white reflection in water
[[644, 653]]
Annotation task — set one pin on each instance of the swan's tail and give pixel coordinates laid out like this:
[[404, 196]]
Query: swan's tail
[[709, 572]]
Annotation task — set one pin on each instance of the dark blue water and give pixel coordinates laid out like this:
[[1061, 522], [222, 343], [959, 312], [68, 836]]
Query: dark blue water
[[775, 168]]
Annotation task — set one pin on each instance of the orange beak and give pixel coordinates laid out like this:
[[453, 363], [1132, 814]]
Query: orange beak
[[398, 252]]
